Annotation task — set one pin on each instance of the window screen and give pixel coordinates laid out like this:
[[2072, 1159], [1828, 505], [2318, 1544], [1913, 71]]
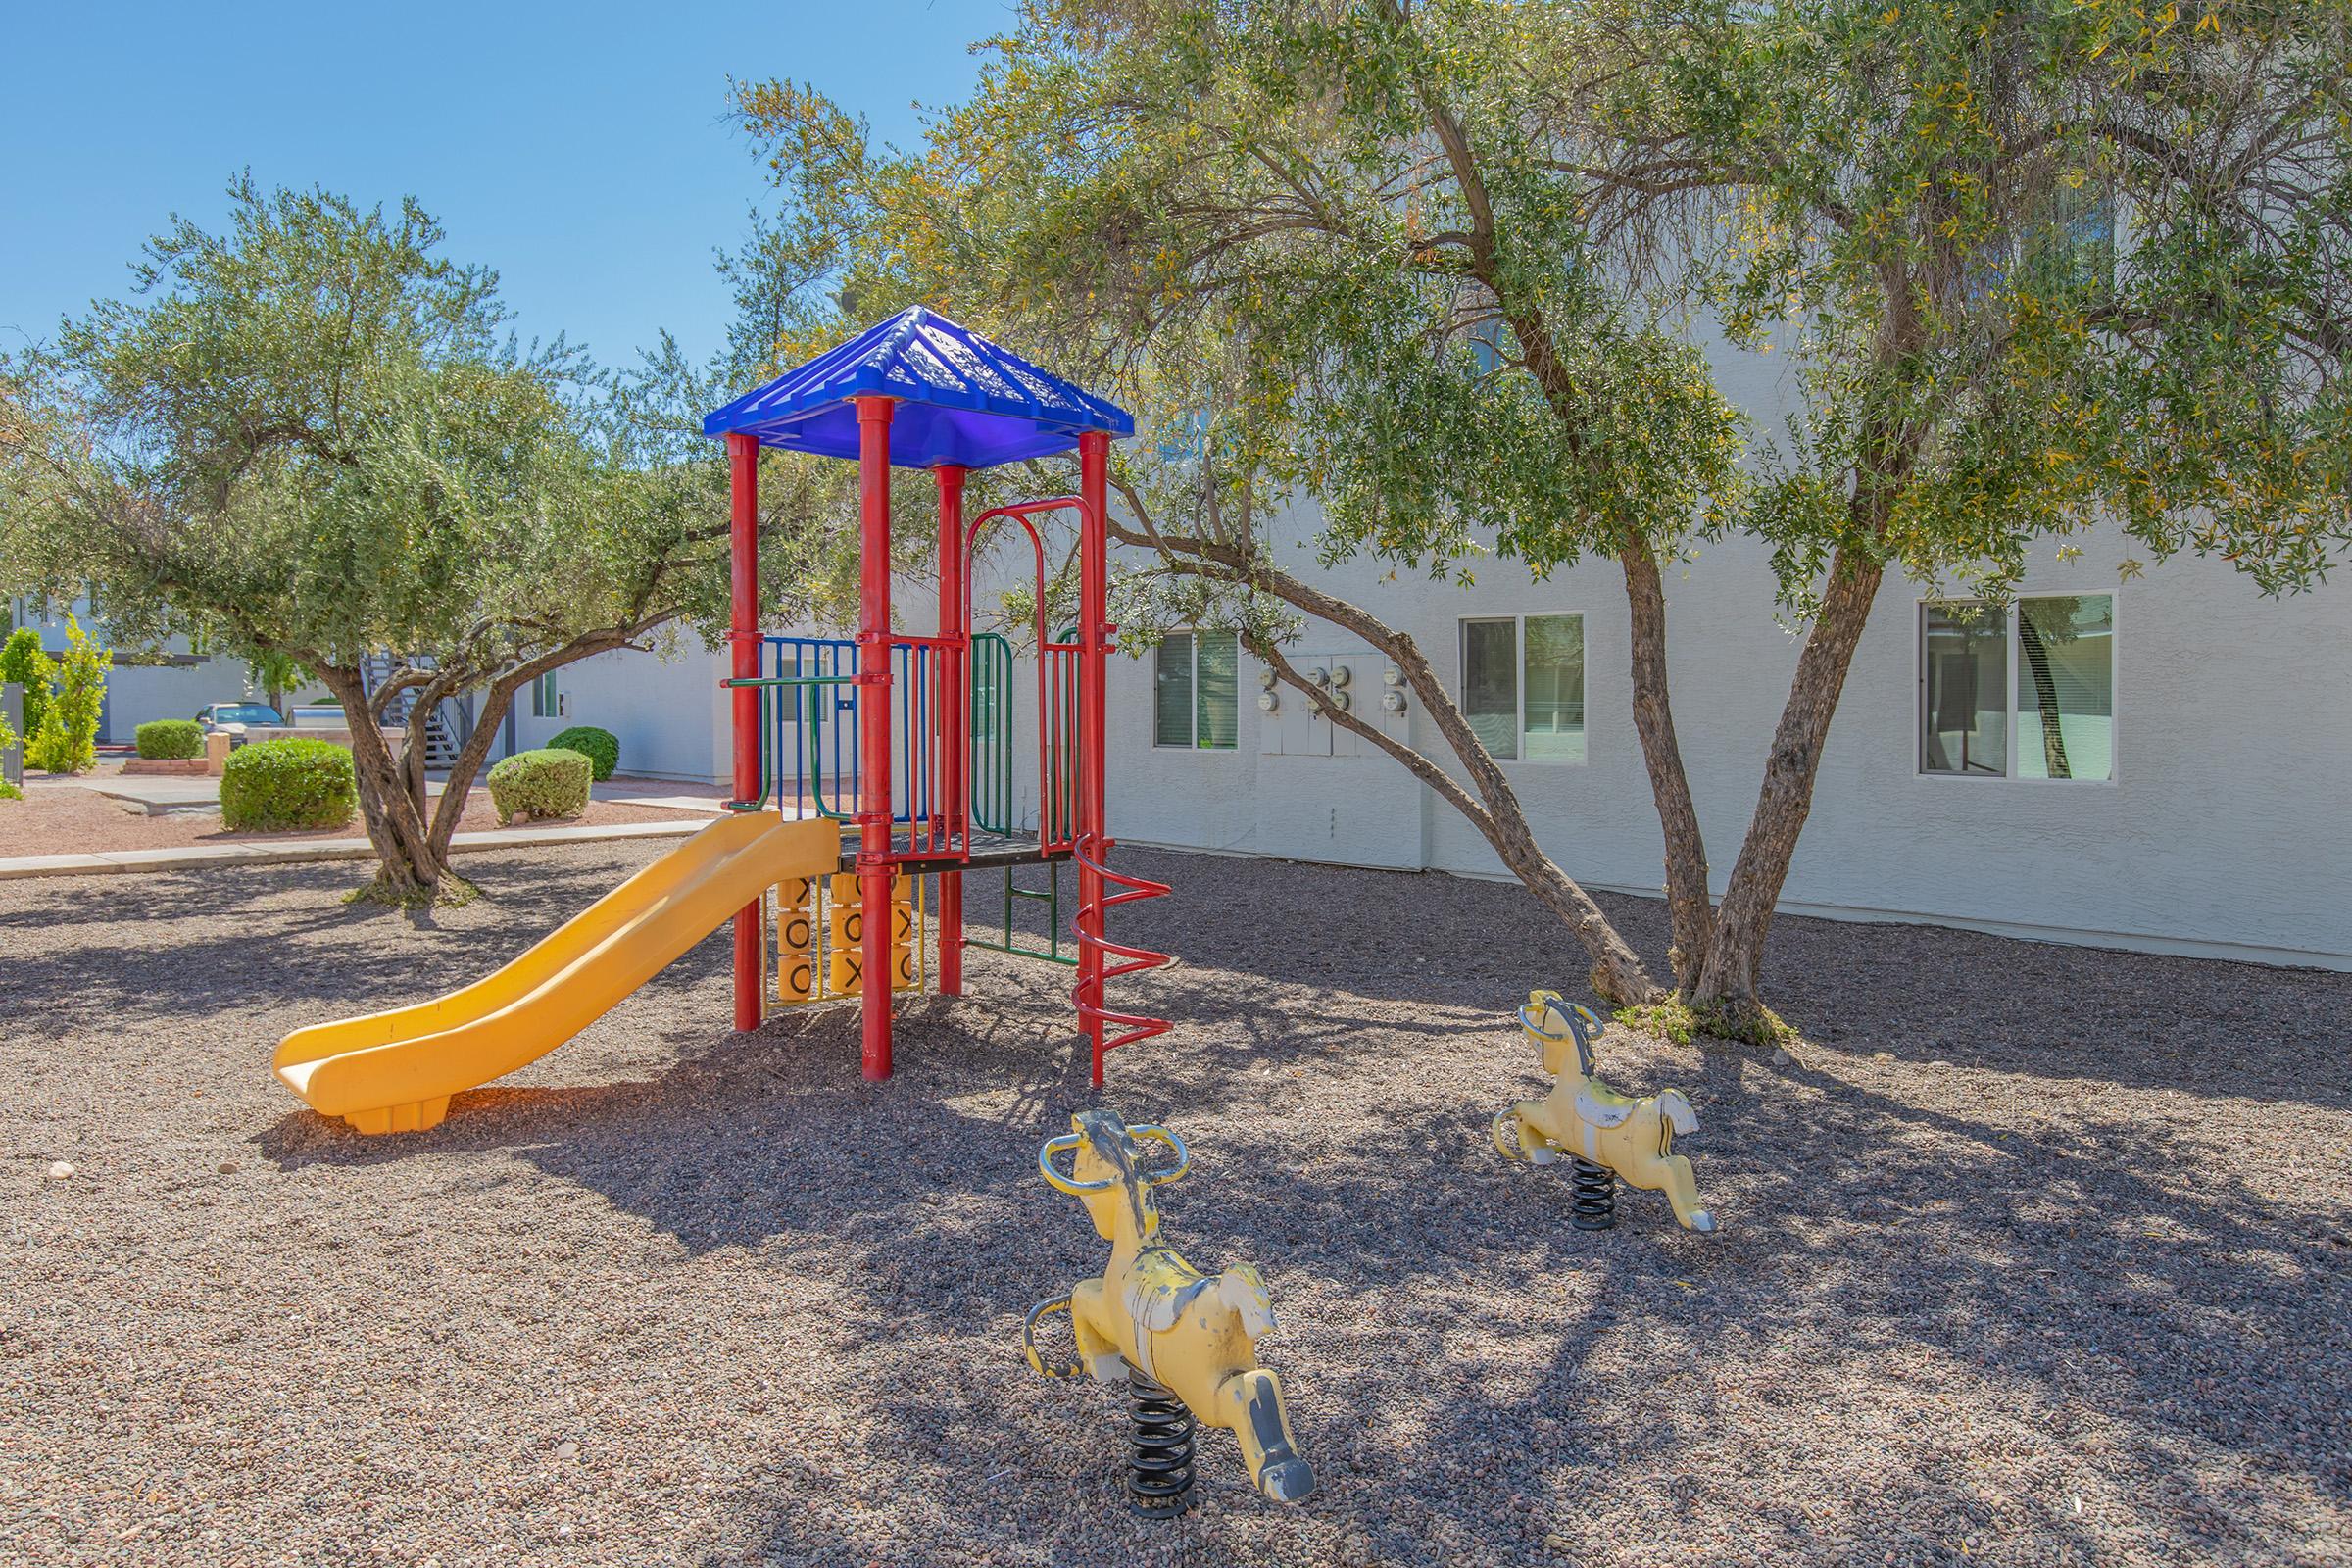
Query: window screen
[[1216, 721], [1963, 675], [1172, 691], [1490, 684]]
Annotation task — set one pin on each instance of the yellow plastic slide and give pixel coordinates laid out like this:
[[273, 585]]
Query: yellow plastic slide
[[394, 1071]]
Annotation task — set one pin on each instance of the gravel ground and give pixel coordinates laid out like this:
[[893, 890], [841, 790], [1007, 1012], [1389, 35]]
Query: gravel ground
[[2037, 1255], [57, 817]]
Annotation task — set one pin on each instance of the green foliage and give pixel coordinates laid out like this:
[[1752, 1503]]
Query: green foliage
[[540, 784], [9, 791], [274, 673], [2037, 269], [68, 739], [280, 785], [8, 738], [170, 739], [601, 747], [25, 661], [1442, 267], [1686, 1022]]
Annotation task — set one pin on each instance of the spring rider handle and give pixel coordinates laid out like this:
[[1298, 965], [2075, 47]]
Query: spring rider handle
[[1068, 1142]]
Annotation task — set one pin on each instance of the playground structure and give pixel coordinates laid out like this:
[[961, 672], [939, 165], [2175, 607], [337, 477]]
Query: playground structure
[[919, 391], [916, 391], [1185, 1341], [1608, 1137]]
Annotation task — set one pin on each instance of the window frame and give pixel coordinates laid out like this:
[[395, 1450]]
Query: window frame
[[2013, 656], [547, 701], [1159, 651], [1518, 624]]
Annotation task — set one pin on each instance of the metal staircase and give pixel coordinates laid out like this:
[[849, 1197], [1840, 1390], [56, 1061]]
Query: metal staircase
[[444, 727]]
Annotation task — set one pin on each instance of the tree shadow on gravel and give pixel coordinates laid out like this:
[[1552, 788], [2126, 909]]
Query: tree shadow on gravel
[[1977, 1246]]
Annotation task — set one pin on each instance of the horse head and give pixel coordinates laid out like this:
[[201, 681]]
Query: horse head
[[1556, 1024], [1103, 1174]]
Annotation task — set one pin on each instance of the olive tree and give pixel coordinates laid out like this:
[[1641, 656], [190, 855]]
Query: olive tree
[[306, 438]]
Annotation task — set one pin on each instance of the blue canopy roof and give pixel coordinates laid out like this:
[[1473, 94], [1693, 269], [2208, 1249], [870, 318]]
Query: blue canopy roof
[[961, 399]]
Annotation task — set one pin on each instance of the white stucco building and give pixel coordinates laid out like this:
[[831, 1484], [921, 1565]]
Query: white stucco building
[[2207, 732]]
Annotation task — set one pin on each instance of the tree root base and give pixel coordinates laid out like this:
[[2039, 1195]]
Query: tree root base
[[1683, 1021], [450, 893]]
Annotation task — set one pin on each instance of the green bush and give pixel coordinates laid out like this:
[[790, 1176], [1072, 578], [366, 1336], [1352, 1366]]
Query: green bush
[[601, 747], [25, 661], [274, 786], [67, 740], [541, 784], [169, 740]]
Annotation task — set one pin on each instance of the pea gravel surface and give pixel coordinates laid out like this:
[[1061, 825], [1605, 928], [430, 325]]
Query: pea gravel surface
[[2035, 1254]]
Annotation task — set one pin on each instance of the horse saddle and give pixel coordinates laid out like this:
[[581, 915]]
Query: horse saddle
[[1595, 1112], [1159, 1286]]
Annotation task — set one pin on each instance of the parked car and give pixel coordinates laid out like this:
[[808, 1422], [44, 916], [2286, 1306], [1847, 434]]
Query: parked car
[[236, 716]]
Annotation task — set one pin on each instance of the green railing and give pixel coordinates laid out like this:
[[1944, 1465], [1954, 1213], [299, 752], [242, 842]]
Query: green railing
[[992, 709], [1051, 897]]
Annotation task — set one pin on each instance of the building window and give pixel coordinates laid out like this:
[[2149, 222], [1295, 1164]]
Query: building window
[[1523, 686], [544, 702], [2024, 690], [1196, 691]]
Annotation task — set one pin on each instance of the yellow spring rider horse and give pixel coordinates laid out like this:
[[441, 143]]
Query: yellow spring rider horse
[[1598, 1127], [1175, 1332]]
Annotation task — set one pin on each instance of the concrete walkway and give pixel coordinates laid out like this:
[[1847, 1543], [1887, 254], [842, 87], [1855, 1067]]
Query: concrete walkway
[[196, 856], [159, 794]]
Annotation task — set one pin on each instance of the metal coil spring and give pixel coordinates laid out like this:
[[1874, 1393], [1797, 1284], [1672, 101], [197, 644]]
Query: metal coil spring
[[1594, 1204], [1159, 1477]]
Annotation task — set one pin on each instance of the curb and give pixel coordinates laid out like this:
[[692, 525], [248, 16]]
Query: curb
[[115, 862]]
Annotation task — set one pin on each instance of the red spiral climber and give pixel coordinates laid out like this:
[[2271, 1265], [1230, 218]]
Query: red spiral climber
[[1093, 1018]]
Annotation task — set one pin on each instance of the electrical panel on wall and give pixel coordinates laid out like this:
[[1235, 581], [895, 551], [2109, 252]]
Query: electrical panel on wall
[[1362, 684]]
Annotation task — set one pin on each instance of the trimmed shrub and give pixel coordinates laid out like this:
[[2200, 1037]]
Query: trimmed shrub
[[166, 740], [601, 747], [541, 784], [276, 786]]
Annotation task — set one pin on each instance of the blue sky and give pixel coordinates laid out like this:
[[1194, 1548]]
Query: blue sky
[[580, 149]]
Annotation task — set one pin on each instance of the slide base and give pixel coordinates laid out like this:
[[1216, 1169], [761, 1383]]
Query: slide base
[[416, 1118]]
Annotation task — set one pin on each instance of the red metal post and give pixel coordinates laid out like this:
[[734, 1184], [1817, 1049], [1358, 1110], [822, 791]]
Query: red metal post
[[743, 621], [1093, 641], [955, 717], [874, 726]]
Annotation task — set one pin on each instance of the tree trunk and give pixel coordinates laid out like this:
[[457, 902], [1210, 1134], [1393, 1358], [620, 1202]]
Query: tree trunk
[[408, 869], [1728, 980], [468, 763], [1690, 911], [1689, 914]]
